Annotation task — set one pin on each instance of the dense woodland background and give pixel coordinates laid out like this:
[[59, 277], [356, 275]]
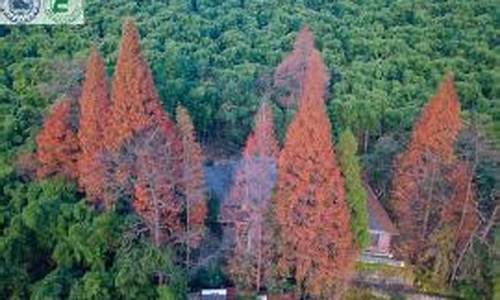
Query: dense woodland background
[[217, 58]]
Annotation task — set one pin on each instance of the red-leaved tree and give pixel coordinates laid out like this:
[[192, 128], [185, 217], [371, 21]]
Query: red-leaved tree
[[420, 171], [57, 142], [289, 76], [432, 196], [157, 172], [192, 182], [135, 108], [310, 210], [249, 203], [94, 107], [135, 102], [460, 212]]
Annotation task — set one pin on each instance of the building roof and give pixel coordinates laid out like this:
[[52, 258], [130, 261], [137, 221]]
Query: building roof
[[378, 219]]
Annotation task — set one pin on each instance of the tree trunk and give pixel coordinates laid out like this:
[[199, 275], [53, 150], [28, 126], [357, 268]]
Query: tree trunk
[[366, 141], [427, 204], [188, 232], [156, 227], [483, 235], [259, 257]]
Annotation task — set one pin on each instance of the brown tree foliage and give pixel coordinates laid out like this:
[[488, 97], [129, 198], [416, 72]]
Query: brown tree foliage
[[249, 203], [262, 141], [156, 185], [135, 102], [288, 79], [57, 142], [94, 106], [429, 183], [135, 109], [193, 182], [460, 211], [310, 210]]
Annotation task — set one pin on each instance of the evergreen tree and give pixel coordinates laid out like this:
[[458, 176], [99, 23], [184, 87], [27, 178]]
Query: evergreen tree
[[355, 193]]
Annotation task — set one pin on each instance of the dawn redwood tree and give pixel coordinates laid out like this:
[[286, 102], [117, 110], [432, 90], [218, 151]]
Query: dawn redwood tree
[[460, 211], [430, 183], [289, 76], [157, 171], [262, 141], [156, 185], [458, 224], [135, 102], [135, 107], [57, 142], [192, 182], [355, 194], [309, 205], [249, 203], [94, 105]]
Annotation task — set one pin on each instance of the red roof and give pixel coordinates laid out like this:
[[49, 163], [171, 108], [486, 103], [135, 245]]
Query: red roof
[[378, 218]]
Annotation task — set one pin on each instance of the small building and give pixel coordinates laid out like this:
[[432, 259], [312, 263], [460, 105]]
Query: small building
[[219, 178], [381, 231], [380, 226]]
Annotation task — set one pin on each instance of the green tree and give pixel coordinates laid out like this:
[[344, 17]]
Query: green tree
[[355, 193]]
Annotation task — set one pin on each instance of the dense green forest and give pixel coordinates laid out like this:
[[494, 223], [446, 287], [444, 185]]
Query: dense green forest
[[217, 58]]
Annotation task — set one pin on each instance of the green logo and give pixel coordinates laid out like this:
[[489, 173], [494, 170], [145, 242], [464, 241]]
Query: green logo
[[60, 6], [65, 11]]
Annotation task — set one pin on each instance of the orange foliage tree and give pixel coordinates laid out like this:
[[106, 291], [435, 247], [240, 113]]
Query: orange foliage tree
[[431, 187], [135, 109], [249, 203], [312, 216], [94, 106], [57, 142], [135, 102], [157, 172], [289, 76], [460, 211], [193, 183]]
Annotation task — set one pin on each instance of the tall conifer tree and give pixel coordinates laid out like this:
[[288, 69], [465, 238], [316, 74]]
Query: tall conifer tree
[[94, 107], [430, 183], [135, 102], [249, 204], [192, 182], [288, 79], [310, 208], [157, 171], [57, 142], [355, 193], [135, 110]]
